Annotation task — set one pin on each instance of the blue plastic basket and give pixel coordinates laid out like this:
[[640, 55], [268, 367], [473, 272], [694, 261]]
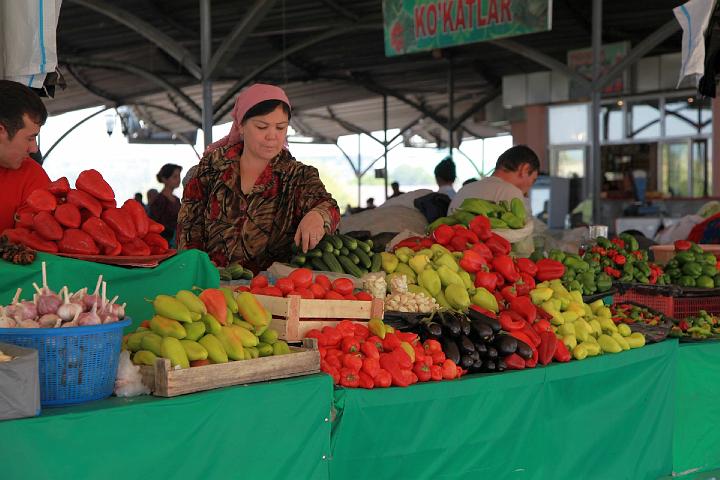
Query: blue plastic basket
[[77, 364]]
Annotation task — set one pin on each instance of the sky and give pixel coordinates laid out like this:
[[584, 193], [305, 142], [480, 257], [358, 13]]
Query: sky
[[131, 168]]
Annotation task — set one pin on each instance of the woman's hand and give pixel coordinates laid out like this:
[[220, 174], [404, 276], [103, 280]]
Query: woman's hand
[[310, 231]]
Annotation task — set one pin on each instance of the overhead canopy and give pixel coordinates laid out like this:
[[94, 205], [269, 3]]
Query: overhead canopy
[[328, 54]]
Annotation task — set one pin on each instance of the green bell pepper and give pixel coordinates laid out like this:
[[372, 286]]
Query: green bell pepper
[[556, 255], [685, 257], [695, 248], [692, 269], [603, 282], [710, 270], [704, 281], [710, 259], [512, 220], [604, 242], [686, 281]]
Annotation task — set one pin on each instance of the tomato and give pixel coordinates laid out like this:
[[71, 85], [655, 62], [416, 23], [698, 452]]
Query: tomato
[[318, 290], [304, 293], [260, 281], [272, 291], [343, 286], [350, 297], [323, 281], [364, 296], [285, 285], [301, 277], [333, 295]]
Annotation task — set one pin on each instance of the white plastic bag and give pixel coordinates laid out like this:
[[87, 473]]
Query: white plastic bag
[[128, 382]]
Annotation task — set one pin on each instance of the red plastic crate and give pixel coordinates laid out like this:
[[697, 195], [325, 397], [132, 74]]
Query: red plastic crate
[[675, 307]]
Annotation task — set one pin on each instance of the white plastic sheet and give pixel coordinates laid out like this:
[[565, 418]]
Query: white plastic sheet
[[28, 47], [694, 17]]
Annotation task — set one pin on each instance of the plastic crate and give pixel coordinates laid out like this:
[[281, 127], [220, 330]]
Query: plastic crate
[[661, 303], [675, 307], [77, 364], [663, 253]]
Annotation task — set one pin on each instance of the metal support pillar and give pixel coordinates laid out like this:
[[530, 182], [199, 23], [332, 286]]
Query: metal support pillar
[[385, 143], [594, 173], [359, 169], [451, 106], [205, 60]]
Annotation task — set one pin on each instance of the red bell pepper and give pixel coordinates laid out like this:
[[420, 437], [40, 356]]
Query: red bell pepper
[[458, 243], [349, 378], [443, 234], [361, 331], [350, 344], [483, 250], [485, 312], [90, 181], [480, 225], [78, 242], [115, 251], [371, 366], [472, 262], [353, 361], [83, 200], [391, 342], [138, 215], [155, 240], [24, 219], [100, 232], [510, 323], [562, 354], [504, 265], [619, 260], [121, 223], [547, 347], [422, 371], [532, 362], [41, 200], [542, 325], [549, 269], [366, 381], [525, 307], [435, 373], [682, 245], [347, 329], [498, 245], [449, 369], [59, 187], [45, 224], [135, 248], [525, 265], [508, 293], [67, 215], [383, 379], [514, 362], [486, 280], [431, 346], [619, 242], [155, 227], [214, 301]]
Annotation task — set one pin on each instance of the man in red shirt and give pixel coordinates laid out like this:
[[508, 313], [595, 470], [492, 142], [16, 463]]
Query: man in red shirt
[[22, 113]]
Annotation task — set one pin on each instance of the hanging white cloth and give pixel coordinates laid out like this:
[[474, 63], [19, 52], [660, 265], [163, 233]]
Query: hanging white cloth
[[693, 17], [28, 47]]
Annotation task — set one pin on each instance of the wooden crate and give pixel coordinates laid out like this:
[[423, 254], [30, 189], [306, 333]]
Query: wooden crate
[[165, 381], [294, 316]]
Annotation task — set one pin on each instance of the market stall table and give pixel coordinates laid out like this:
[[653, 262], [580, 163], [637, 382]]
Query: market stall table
[[606, 417], [264, 430], [133, 285]]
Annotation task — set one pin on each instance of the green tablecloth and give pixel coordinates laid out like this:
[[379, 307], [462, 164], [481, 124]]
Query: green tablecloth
[[266, 431], [133, 285], [606, 417], [697, 408]]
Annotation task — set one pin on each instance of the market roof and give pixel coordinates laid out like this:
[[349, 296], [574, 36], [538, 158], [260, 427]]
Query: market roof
[[328, 54]]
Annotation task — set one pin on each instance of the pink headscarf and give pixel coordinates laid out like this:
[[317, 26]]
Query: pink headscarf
[[249, 97]]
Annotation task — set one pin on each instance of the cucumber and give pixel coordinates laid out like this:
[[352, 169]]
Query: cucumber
[[364, 259], [325, 246], [349, 266], [298, 260], [376, 262], [363, 246], [354, 258], [318, 264], [336, 251], [336, 241], [332, 262], [344, 251], [314, 253], [247, 274], [370, 243], [349, 242]]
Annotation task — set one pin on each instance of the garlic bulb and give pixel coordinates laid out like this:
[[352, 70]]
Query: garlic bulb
[[410, 302], [68, 310]]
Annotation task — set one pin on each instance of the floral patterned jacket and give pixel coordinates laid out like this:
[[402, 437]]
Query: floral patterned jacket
[[255, 229]]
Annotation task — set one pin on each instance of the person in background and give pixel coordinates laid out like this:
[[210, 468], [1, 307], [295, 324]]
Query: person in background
[[22, 113], [250, 200], [370, 203], [515, 173], [139, 199], [445, 177], [396, 190], [165, 207], [151, 194]]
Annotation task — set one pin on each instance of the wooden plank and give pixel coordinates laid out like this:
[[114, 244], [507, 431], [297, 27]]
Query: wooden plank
[[334, 309], [275, 305]]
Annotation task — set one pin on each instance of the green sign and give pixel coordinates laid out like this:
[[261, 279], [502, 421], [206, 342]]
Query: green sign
[[418, 25]]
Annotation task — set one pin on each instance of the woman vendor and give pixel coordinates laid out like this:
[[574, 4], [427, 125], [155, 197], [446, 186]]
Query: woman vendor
[[249, 199]]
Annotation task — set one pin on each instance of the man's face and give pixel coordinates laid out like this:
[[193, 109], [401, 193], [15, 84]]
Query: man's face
[[526, 178], [14, 150]]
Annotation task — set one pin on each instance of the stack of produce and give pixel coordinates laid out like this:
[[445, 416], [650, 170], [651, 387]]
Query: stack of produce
[[622, 259], [217, 326], [15, 253], [50, 309], [377, 356], [629, 313], [579, 274], [700, 327], [692, 267], [339, 254], [586, 330], [401, 299], [502, 214], [235, 271], [85, 221], [300, 282]]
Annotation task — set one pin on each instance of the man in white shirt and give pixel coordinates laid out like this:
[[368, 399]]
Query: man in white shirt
[[515, 173]]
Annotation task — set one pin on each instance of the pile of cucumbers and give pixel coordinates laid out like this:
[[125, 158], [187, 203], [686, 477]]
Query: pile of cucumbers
[[235, 271], [340, 254]]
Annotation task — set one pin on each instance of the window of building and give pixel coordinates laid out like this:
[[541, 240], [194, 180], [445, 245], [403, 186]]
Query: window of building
[[568, 123], [644, 119], [611, 122]]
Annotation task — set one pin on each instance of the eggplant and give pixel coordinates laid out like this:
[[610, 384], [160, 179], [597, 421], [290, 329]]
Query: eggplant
[[481, 349], [465, 344], [491, 322], [505, 344], [475, 356], [451, 350], [492, 353], [451, 323], [465, 326], [433, 329], [501, 367], [477, 366], [482, 330], [490, 366], [466, 361], [524, 350]]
